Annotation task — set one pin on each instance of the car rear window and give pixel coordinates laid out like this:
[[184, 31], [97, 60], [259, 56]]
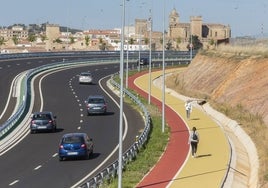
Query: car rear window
[[42, 116], [85, 74], [95, 100], [72, 139]]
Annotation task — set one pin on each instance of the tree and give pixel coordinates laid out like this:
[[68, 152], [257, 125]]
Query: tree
[[131, 41], [169, 45], [103, 46], [2, 41], [178, 41], [146, 41], [87, 39], [15, 40], [43, 38], [58, 41], [71, 39], [196, 43], [31, 38]]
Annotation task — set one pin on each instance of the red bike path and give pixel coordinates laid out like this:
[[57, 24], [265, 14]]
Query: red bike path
[[175, 168], [176, 151]]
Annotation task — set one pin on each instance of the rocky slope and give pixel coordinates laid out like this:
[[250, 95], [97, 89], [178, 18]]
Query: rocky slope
[[233, 80]]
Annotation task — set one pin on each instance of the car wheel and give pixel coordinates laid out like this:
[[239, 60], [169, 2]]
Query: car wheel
[[60, 158]]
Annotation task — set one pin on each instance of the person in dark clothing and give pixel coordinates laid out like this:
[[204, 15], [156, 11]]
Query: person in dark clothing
[[194, 140]]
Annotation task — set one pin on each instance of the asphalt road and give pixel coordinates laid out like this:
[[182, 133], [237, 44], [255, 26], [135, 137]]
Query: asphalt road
[[34, 162]]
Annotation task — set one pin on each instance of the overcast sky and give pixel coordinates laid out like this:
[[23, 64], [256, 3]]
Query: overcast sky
[[245, 17]]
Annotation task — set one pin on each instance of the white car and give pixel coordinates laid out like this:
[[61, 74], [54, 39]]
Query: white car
[[85, 78]]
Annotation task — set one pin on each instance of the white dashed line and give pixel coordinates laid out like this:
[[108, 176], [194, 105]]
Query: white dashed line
[[36, 168], [79, 128], [55, 155], [14, 182]]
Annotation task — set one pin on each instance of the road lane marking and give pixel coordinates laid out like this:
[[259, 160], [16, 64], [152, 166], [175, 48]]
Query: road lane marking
[[14, 182], [39, 166]]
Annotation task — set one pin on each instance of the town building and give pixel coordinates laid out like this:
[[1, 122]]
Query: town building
[[137, 37], [210, 34]]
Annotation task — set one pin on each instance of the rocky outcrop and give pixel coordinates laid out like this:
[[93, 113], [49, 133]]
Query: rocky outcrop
[[234, 80]]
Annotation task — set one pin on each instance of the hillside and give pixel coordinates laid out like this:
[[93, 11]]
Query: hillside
[[233, 80], [237, 85]]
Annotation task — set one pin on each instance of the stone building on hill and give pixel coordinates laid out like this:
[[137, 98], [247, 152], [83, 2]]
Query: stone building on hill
[[209, 34]]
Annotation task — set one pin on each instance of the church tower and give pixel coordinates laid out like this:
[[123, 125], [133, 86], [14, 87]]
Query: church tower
[[174, 20]]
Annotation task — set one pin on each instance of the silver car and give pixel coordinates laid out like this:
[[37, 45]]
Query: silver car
[[96, 104], [85, 78], [43, 121]]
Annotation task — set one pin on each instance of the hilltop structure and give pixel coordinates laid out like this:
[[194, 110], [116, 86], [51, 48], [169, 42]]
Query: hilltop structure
[[209, 34]]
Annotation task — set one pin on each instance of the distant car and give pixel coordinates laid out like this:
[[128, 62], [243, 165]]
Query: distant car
[[143, 61], [75, 145], [85, 78], [96, 104], [43, 121]]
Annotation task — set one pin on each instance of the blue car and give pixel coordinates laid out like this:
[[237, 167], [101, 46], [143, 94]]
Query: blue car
[[75, 145]]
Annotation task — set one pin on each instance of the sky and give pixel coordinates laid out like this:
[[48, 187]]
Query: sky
[[245, 17]]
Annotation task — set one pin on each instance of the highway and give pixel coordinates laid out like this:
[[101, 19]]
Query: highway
[[33, 162]]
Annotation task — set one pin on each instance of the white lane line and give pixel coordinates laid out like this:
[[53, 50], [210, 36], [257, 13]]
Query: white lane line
[[115, 149], [14, 182], [78, 128], [55, 155], [39, 166]]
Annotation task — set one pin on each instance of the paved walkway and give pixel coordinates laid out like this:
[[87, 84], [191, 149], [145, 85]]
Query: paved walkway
[[176, 168]]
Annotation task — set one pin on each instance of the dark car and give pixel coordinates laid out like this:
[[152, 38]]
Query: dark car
[[143, 61], [75, 145], [43, 121], [96, 104]]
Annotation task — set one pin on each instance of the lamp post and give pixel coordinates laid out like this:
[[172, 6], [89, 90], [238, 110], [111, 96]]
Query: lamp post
[[127, 53], [150, 58], [163, 73], [120, 155]]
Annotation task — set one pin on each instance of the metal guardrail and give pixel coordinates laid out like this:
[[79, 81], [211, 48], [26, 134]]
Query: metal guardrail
[[14, 120], [131, 153]]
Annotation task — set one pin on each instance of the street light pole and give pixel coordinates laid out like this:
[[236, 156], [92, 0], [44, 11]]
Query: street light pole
[[150, 58], [163, 73], [120, 155], [127, 52]]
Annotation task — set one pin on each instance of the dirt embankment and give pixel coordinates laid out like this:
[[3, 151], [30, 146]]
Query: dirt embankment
[[233, 80]]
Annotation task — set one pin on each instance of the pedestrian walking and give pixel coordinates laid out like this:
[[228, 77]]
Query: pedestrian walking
[[188, 108], [194, 140]]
